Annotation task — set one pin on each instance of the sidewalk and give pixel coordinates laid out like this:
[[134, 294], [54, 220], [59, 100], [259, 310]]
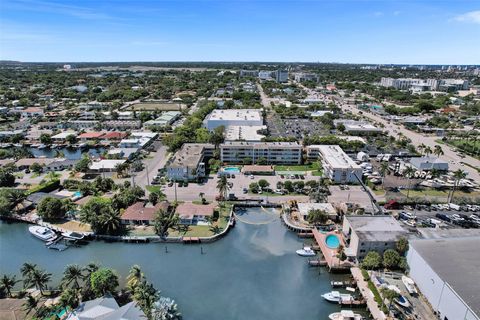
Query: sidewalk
[[372, 305]]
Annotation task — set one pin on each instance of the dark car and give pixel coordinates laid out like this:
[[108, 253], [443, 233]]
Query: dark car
[[443, 217]]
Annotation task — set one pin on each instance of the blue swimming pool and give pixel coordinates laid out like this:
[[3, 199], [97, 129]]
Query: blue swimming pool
[[77, 194], [231, 169], [332, 241]]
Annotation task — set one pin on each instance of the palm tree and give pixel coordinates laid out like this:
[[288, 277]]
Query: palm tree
[[408, 173], [134, 278], [110, 222], [146, 296], [222, 187], [458, 175], [215, 229], [7, 283], [421, 147], [16, 197], [384, 169], [72, 275], [27, 270], [40, 279], [30, 305], [202, 197], [438, 151], [427, 150]]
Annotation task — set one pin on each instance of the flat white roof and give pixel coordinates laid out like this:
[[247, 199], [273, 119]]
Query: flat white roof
[[105, 164], [247, 133], [305, 207], [235, 115], [63, 135], [336, 157]]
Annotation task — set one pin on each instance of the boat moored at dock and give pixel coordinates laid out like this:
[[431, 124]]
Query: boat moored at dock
[[42, 233]]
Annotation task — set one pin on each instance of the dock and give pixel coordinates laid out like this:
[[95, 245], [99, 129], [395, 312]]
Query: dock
[[317, 262], [188, 240]]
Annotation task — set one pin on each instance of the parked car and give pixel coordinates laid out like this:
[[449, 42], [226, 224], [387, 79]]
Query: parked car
[[443, 217]]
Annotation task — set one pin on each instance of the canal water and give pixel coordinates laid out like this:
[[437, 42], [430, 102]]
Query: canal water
[[252, 273], [70, 153]]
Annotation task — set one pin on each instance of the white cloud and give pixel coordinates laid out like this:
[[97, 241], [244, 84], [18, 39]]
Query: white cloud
[[469, 17]]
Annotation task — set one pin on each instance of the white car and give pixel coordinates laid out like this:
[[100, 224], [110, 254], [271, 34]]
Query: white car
[[252, 177], [475, 217], [456, 217]]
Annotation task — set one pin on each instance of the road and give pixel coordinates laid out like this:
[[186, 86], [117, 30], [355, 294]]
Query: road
[[417, 139], [157, 160]]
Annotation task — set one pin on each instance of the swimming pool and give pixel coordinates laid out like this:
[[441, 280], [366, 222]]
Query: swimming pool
[[77, 194], [332, 241], [231, 170]]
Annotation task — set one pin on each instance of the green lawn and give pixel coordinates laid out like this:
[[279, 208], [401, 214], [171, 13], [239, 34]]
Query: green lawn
[[297, 169], [439, 193], [153, 188]]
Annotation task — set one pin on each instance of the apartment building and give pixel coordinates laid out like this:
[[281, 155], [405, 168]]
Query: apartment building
[[188, 163], [302, 77], [270, 152], [337, 165]]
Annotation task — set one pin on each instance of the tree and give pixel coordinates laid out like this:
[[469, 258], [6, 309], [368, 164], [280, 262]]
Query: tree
[[384, 170], [45, 138], [135, 277], [7, 179], [153, 198], [165, 309], [164, 221], [30, 305], [122, 168], [372, 260], [317, 216], [98, 212], [69, 298], [72, 275], [458, 176], [103, 281], [427, 150], [408, 173], [402, 245], [83, 164], [215, 229], [341, 127], [51, 209], [390, 295], [27, 270], [40, 279], [7, 283], [202, 197], [438, 151], [146, 295], [263, 183], [35, 167], [222, 186], [391, 258], [71, 139]]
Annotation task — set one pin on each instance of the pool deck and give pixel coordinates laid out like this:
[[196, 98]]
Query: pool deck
[[330, 254]]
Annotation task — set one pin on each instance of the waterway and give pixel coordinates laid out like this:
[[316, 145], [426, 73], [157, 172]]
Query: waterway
[[252, 273], [70, 153]]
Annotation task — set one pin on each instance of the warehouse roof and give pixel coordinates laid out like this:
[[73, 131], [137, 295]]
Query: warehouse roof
[[457, 262]]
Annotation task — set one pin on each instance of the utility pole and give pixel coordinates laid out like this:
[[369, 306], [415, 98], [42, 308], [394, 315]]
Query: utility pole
[[148, 180]]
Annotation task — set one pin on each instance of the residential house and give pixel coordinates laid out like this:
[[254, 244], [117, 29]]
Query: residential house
[[191, 213]]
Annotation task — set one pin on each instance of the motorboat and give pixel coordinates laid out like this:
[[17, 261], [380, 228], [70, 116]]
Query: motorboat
[[402, 301], [345, 315], [42, 233], [336, 296], [73, 235], [409, 284], [306, 252], [336, 284]]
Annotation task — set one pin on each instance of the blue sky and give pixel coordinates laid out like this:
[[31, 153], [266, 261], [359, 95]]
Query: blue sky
[[356, 31]]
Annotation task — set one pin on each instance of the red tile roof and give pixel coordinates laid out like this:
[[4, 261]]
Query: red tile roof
[[114, 135], [32, 109], [91, 135], [188, 210], [138, 211]]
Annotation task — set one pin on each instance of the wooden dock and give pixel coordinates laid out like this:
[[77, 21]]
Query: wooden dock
[[317, 262], [189, 240]]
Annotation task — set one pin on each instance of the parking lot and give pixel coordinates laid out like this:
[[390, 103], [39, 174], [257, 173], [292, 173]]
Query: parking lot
[[295, 128]]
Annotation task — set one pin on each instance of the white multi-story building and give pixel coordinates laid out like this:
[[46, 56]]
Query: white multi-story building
[[249, 73], [244, 133], [233, 117], [370, 233], [447, 272], [188, 163], [301, 77], [337, 165], [425, 84], [270, 152]]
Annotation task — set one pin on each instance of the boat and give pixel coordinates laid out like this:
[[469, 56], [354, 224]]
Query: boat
[[345, 315], [403, 301], [306, 252], [336, 296], [409, 284], [336, 284], [73, 235], [42, 233], [41, 146]]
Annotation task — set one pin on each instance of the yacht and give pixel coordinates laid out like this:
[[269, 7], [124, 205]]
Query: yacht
[[73, 235], [345, 315], [410, 284], [403, 301], [42, 233], [336, 296], [306, 252]]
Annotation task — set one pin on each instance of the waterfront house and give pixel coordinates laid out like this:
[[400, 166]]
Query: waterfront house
[[90, 136], [106, 308], [140, 214], [191, 213], [61, 164], [105, 165], [25, 163]]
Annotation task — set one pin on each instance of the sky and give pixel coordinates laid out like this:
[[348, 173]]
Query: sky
[[346, 31]]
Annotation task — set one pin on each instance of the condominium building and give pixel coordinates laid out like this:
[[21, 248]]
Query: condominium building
[[270, 152], [354, 127], [302, 77], [337, 165], [281, 76], [244, 133], [189, 162], [425, 84], [233, 117], [249, 73]]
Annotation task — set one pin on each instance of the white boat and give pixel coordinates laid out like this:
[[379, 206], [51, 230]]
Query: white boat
[[336, 284], [345, 315], [409, 284], [41, 146], [403, 301], [73, 235], [336, 296], [306, 252], [42, 233]]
